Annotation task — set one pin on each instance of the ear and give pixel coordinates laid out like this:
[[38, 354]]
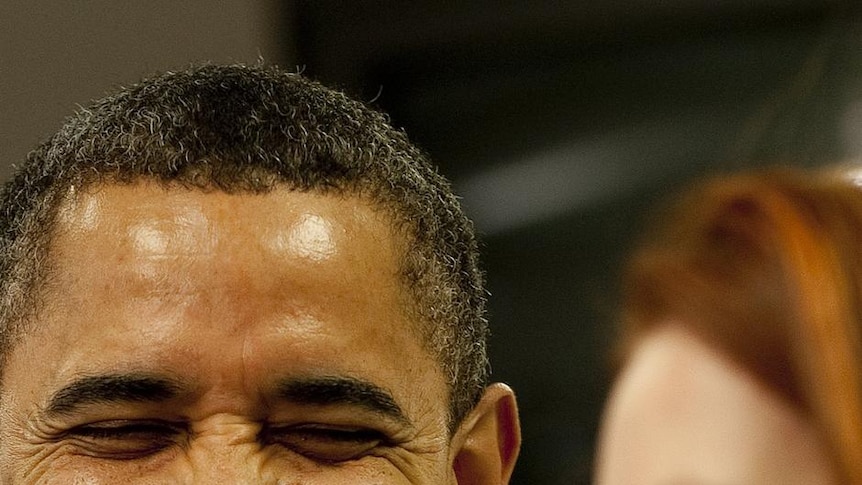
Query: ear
[[486, 444]]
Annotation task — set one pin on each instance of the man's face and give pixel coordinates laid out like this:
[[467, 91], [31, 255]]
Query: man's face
[[195, 337]]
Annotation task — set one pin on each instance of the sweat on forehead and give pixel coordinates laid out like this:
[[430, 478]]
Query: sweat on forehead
[[240, 129]]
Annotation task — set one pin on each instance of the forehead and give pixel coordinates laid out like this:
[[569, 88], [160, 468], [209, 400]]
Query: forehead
[[175, 241], [139, 230], [303, 281], [149, 219]]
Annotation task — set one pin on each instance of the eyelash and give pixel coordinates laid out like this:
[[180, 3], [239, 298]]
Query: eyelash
[[332, 434], [107, 430], [125, 440], [328, 444]]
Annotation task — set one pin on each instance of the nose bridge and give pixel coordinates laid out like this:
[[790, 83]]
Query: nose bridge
[[229, 453]]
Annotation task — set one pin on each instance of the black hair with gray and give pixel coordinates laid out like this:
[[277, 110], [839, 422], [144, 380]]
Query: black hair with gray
[[253, 129]]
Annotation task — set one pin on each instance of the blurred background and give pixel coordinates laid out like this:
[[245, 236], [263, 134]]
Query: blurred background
[[560, 124]]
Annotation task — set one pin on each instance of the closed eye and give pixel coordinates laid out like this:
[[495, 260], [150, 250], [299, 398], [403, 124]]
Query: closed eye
[[328, 444], [123, 439]]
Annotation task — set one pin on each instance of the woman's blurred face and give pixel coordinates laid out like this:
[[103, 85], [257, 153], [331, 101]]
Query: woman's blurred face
[[682, 413]]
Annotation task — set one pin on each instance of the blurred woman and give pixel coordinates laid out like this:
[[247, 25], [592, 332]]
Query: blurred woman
[[742, 317]]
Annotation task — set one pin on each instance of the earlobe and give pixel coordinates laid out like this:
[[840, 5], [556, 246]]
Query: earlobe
[[486, 444]]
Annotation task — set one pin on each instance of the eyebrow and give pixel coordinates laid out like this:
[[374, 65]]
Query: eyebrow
[[144, 388], [110, 389], [337, 390]]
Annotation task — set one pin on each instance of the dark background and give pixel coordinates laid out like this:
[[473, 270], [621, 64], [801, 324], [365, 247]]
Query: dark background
[[560, 124]]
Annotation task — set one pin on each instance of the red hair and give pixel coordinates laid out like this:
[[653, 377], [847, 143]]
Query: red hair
[[767, 267]]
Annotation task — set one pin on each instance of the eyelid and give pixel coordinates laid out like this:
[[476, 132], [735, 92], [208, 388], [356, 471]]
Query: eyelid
[[327, 443], [123, 439], [126, 426], [348, 431]]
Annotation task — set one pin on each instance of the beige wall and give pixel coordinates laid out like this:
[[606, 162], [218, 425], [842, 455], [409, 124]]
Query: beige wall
[[55, 55]]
